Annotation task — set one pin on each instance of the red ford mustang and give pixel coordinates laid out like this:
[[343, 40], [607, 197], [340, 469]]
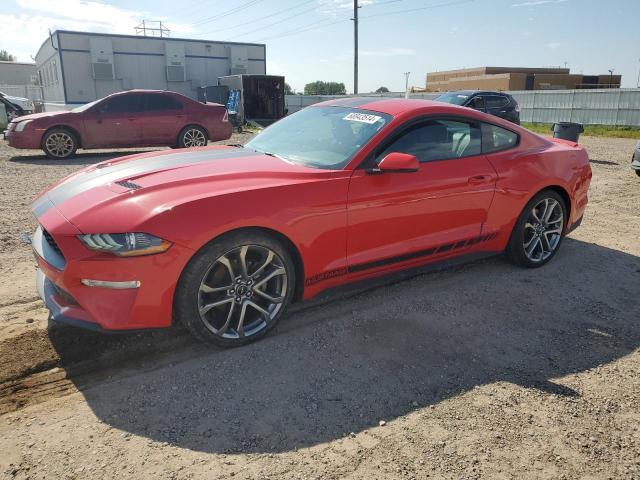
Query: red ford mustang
[[223, 239], [135, 118]]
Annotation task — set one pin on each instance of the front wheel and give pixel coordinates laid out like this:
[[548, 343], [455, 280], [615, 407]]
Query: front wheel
[[192, 136], [537, 235], [59, 144], [235, 289]]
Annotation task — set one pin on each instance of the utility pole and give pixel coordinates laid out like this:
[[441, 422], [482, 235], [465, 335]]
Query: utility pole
[[355, 46], [406, 84]]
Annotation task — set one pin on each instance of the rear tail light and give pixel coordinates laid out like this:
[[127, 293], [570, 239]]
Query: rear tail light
[[517, 108]]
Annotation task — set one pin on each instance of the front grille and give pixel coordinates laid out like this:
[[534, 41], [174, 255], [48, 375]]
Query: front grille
[[128, 184], [52, 243]]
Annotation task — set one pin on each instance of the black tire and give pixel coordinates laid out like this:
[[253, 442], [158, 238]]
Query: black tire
[[206, 268], [192, 134], [59, 143], [638, 172], [516, 248]]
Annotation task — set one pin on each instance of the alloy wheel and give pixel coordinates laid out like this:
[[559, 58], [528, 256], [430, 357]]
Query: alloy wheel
[[242, 292], [59, 144], [194, 138], [543, 230]]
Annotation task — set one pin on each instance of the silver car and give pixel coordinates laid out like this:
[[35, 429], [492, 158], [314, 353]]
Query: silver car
[[24, 106], [635, 159]]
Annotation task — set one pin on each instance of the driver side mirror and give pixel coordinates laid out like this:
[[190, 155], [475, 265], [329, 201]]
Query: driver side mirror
[[396, 162]]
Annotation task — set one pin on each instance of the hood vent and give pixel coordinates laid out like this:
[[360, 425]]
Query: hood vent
[[128, 184]]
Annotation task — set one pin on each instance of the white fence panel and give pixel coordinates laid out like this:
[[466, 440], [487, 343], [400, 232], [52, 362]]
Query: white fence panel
[[591, 107]]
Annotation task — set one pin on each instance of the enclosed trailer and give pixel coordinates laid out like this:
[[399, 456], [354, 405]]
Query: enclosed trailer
[[261, 96]]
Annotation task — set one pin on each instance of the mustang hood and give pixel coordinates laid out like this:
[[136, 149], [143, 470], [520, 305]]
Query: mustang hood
[[140, 180]]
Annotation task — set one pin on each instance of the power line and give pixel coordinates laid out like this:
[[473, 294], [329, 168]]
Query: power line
[[258, 19], [226, 13], [304, 29], [459, 2], [277, 22], [314, 25]]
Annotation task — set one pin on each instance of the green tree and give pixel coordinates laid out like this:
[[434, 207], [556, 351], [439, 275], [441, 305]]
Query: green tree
[[325, 88], [382, 90], [7, 57], [288, 90]]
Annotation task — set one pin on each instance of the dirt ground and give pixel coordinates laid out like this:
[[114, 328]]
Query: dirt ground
[[479, 371]]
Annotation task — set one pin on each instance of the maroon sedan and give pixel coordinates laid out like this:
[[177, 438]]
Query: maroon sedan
[[136, 118]]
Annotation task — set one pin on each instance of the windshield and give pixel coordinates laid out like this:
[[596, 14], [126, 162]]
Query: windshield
[[455, 98], [321, 137], [85, 107]]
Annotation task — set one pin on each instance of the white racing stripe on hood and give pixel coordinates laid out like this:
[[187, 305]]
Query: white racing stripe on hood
[[126, 170]]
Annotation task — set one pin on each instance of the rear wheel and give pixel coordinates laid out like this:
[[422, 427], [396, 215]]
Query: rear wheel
[[59, 143], [192, 136], [235, 289], [638, 172], [537, 235]]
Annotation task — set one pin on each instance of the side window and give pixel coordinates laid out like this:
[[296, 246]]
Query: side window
[[496, 138], [122, 104], [477, 102], [438, 140], [495, 101], [158, 102]]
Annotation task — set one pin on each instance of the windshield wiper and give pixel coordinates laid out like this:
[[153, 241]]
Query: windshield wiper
[[237, 145]]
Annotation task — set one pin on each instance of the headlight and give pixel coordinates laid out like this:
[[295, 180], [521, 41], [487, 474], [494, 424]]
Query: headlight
[[125, 244], [21, 125]]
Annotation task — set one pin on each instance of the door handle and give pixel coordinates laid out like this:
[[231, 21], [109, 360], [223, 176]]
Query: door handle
[[479, 179], [179, 116], [131, 119]]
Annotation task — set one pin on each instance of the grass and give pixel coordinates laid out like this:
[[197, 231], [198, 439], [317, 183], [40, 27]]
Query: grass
[[590, 130]]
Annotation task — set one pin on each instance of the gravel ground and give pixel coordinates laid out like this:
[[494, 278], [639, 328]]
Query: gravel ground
[[479, 371]]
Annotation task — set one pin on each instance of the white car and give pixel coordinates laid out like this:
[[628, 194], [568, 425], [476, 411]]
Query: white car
[[25, 104]]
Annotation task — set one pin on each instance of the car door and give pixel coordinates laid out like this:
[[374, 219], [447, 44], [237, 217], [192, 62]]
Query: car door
[[163, 118], [115, 122], [436, 211]]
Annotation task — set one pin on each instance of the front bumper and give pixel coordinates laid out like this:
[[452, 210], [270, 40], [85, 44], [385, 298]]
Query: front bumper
[[60, 272], [635, 160], [22, 139]]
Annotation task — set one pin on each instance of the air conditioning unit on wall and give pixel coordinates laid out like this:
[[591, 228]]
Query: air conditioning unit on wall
[[175, 56], [238, 60], [101, 58]]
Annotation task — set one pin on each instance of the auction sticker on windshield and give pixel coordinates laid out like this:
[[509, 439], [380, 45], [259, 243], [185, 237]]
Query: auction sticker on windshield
[[362, 117]]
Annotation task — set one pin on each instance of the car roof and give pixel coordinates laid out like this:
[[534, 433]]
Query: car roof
[[141, 90], [391, 106], [476, 92]]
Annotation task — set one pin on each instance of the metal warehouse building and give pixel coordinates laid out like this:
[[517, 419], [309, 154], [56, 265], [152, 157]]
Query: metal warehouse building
[[79, 67]]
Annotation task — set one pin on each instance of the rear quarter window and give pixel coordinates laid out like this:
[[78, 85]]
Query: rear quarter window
[[495, 139]]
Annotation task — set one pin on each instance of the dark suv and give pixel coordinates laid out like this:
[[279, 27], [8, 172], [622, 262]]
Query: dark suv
[[494, 103]]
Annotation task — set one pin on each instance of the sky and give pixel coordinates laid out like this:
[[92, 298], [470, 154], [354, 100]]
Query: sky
[[310, 40]]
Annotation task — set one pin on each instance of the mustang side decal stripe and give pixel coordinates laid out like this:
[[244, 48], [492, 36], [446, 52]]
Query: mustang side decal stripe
[[399, 258]]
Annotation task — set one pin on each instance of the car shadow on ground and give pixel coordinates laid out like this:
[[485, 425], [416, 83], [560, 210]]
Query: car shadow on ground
[[80, 158], [344, 365]]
